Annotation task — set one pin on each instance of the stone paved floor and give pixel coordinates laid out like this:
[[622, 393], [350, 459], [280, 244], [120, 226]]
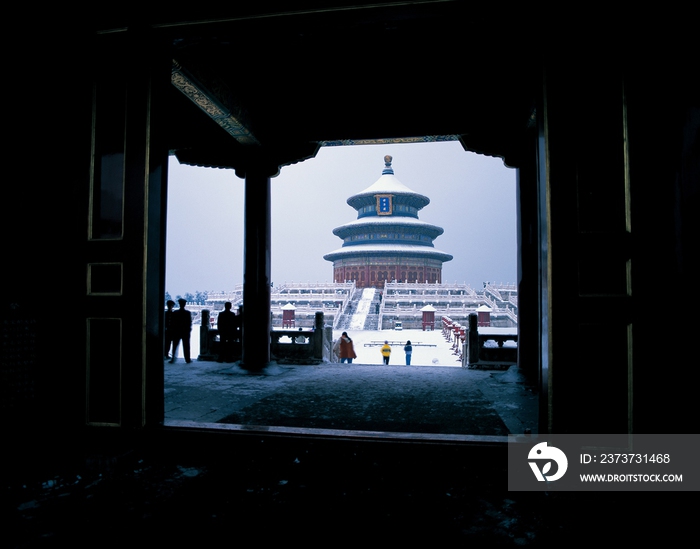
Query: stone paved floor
[[425, 399]]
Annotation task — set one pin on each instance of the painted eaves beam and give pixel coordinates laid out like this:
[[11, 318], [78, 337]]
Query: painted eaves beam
[[214, 98]]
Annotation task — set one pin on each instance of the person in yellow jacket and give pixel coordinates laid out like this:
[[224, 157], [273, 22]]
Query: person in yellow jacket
[[386, 352]]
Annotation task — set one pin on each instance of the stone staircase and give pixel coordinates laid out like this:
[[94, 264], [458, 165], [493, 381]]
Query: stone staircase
[[372, 320], [348, 311], [360, 312]]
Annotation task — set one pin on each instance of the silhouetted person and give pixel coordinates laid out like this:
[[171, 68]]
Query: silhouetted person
[[169, 328], [182, 326], [226, 324]]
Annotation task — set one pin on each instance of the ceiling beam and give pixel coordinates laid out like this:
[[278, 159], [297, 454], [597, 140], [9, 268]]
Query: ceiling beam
[[216, 100]]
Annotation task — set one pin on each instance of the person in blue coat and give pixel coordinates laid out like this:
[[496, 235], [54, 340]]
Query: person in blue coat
[[408, 349]]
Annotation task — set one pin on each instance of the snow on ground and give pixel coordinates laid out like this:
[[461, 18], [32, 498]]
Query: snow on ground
[[441, 354]]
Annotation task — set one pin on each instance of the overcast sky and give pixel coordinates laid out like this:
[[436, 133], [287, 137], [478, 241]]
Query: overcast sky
[[472, 197]]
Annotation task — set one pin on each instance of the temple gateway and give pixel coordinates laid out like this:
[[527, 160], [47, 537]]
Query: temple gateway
[[605, 144], [387, 242]]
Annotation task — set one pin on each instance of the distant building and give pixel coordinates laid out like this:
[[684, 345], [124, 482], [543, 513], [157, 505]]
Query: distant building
[[387, 241]]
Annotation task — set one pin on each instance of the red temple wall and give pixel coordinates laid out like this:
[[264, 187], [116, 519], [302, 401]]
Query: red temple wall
[[373, 273]]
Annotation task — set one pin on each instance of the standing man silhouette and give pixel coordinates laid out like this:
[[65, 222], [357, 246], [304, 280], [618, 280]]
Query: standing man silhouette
[[182, 326], [169, 328], [226, 324]]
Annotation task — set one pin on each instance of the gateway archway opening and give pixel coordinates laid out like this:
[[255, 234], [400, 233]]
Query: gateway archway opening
[[472, 197]]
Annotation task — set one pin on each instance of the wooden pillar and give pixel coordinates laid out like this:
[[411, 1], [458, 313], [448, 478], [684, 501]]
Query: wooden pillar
[[256, 270], [528, 267]]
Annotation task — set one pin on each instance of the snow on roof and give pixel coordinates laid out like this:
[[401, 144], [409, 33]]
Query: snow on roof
[[389, 220], [387, 248], [388, 183]]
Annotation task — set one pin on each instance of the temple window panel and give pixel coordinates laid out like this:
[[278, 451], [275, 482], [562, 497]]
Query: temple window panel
[[403, 208]]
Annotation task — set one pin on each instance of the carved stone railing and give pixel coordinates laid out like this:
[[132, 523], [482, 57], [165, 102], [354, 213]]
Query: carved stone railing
[[293, 346], [414, 288], [300, 346], [477, 353], [315, 288]]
